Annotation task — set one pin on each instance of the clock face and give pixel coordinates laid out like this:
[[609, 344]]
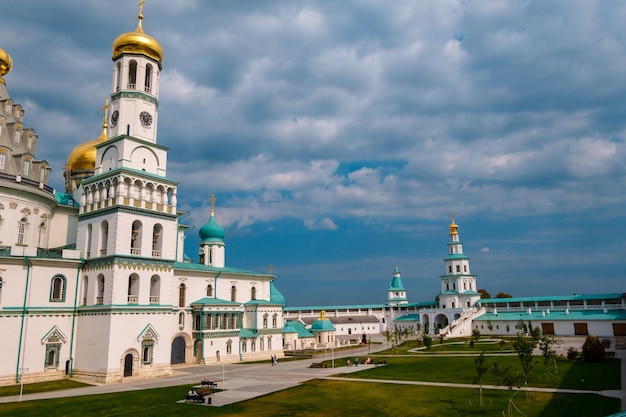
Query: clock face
[[145, 118], [114, 118]]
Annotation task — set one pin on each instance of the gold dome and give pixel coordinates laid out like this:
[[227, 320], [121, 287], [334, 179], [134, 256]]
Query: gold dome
[[83, 157], [138, 42], [5, 64]]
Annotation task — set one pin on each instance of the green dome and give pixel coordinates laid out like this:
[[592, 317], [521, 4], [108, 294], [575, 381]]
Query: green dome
[[322, 324], [211, 231]]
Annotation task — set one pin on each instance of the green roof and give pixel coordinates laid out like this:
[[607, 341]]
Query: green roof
[[186, 266], [573, 297], [215, 302], [276, 297], [456, 256], [247, 334], [408, 317], [538, 315], [303, 333], [338, 307]]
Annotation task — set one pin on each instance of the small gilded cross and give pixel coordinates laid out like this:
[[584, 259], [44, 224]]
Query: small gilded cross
[[213, 200], [105, 109]]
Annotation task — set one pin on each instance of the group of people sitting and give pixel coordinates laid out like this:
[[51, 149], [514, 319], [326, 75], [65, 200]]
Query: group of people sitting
[[356, 362]]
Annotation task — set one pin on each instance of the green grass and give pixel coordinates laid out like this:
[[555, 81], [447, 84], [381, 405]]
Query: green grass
[[319, 397], [450, 345], [460, 369], [60, 384]]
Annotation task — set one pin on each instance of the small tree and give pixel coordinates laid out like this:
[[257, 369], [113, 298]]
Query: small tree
[[503, 295], [481, 369], [484, 294], [388, 336], [428, 342], [501, 343], [524, 348], [593, 351], [505, 376], [475, 337], [546, 343]]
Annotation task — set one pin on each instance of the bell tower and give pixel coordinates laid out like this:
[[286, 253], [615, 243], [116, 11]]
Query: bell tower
[[136, 74], [458, 286]]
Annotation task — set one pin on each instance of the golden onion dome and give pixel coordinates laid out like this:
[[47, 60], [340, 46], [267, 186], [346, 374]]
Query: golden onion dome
[[138, 42], [5, 64], [83, 157]]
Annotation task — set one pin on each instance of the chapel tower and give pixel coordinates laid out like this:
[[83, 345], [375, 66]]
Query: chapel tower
[[458, 286]]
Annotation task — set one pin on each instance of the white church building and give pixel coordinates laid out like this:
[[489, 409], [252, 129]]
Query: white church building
[[94, 282]]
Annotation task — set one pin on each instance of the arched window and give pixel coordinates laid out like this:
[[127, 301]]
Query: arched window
[[132, 75], [2, 157], [85, 289], [269, 342], [155, 289], [100, 296], [265, 316], [1, 282], [135, 238], [118, 76], [181, 320], [51, 359], [464, 268], [233, 321], [233, 293], [157, 240], [244, 346], [26, 168], [450, 269], [148, 81], [229, 346], [209, 290], [22, 228], [182, 289], [42, 235], [104, 241], [274, 320], [57, 288], [209, 322], [261, 344], [253, 293], [88, 241], [133, 289], [196, 322]]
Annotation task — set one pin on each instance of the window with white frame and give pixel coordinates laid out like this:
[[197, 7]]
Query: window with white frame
[[22, 228], [3, 158]]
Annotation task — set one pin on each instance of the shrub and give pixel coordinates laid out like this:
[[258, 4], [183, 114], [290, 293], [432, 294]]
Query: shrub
[[593, 351], [572, 354]]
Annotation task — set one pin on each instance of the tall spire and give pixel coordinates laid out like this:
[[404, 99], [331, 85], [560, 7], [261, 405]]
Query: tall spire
[[140, 16]]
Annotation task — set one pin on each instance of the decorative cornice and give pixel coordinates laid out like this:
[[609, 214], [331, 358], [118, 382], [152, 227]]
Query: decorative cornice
[[128, 263], [134, 94]]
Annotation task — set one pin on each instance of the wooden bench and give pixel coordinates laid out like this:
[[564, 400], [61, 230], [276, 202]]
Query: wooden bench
[[195, 398], [381, 363], [209, 384], [318, 365]]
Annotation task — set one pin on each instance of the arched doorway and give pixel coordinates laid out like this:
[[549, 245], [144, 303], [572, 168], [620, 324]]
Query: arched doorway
[[441, 321], [128, 365], [425, 324], [178, 350]]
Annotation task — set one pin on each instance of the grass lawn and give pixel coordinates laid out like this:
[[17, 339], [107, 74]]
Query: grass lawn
[[461, 369], [451, 345], [318, 397], [41, 387]]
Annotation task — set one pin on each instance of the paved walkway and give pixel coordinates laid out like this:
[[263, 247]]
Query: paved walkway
[[245, 381]]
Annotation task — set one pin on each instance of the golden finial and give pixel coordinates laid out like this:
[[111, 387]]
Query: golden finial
[[213, 200], [453, 226], [140, 15]]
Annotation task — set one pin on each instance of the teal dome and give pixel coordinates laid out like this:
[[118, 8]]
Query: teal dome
[[275, 296], [322, 324], [211, 231]]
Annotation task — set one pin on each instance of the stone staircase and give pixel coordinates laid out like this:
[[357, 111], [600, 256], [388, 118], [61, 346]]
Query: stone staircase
[[462, 327]]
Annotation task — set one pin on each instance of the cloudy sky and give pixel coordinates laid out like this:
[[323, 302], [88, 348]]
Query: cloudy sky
[[338, 136]]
